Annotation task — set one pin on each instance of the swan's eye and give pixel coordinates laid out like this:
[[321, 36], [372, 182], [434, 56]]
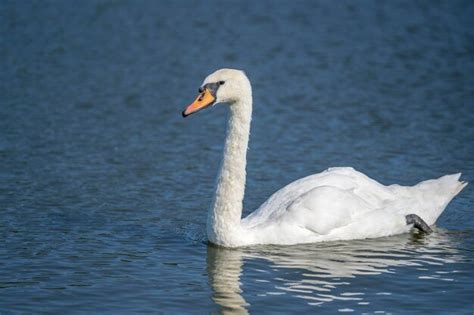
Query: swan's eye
[[221, 82], [201, 89]]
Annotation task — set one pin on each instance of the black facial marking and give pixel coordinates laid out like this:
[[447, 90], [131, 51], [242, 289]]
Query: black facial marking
[[212, 87]]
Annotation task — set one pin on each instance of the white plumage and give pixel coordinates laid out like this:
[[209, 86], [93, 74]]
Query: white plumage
[[337, 204]]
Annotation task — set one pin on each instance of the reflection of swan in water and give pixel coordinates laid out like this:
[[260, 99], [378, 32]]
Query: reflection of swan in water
[[324, 267], [224, 267]]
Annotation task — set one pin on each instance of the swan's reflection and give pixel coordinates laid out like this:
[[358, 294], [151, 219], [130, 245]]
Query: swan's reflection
[[325, 266], [224, 267]]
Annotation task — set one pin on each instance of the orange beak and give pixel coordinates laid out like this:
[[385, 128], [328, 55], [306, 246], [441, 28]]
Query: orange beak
[[202, 101]]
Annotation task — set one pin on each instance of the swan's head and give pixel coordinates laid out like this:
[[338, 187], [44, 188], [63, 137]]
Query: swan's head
[[222, 86]]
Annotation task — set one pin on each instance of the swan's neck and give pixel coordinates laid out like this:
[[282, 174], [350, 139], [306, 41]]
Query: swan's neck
[[223, 222]]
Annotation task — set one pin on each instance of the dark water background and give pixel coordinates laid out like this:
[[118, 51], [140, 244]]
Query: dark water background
[[104, 187]]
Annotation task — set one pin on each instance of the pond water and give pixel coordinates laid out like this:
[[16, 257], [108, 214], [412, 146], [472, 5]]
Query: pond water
[[104, 188]]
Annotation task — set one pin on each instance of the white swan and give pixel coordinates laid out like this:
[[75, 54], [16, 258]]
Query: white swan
[[337, 204]]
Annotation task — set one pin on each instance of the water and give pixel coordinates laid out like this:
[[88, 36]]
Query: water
[[104, 187]]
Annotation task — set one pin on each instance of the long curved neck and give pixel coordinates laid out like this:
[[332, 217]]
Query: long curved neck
[[226, 210]]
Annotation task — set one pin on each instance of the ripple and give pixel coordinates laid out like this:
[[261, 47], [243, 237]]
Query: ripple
[[318, 273]]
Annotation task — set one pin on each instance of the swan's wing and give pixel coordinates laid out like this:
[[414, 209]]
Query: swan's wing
[[326, 208], [323, 201]]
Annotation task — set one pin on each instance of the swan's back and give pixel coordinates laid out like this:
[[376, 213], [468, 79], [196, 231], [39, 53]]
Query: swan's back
[[339, 196], [343, 178]]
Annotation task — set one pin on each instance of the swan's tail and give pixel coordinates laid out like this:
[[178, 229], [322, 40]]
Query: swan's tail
[[439, 192], [460, 186], [451, 185]]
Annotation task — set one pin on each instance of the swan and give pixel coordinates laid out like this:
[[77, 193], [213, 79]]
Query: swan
[[339, 203]]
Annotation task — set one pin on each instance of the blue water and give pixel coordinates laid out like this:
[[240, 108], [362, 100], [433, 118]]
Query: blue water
[[104, 187]]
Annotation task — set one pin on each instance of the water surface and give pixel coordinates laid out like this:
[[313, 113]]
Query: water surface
[[104, 187]]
